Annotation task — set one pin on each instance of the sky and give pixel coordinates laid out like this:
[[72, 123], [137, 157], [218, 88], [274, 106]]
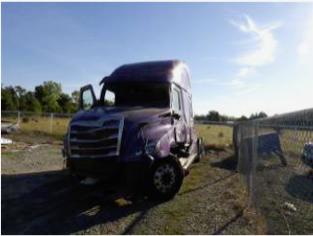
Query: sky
[[243, 57]]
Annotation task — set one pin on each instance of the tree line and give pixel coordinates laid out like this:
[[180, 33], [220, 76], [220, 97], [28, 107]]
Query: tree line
[[216, 116], [47, 97]]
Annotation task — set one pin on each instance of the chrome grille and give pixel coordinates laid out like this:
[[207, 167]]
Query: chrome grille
[[91, 139]]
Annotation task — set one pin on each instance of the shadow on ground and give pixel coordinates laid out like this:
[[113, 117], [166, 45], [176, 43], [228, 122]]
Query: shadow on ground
[[55, 204], [301, 187], [229, 163]]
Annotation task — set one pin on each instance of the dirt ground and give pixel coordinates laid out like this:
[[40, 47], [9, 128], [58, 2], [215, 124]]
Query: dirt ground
[[39, 197]]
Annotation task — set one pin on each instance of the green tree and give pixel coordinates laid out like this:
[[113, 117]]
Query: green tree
[[48, 95], [199, 117], [75, 96], [256, 115], [262, 114], [242, 118], [213, 116], [20, 92], [67, 104], [9, 99], [6, 100], [31, 103]]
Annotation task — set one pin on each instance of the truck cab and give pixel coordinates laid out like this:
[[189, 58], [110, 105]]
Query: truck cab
[[140, 131]]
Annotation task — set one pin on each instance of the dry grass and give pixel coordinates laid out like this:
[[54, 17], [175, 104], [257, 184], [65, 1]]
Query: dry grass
[[215, 135], [207, 202], [41, 126], [56, 127]]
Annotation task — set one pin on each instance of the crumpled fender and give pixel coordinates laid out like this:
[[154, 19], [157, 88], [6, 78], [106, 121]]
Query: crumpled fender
[[162, 135]]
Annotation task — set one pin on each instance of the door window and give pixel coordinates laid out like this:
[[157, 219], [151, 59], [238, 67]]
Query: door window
[[109, 98], [176, 102], [87, 99]]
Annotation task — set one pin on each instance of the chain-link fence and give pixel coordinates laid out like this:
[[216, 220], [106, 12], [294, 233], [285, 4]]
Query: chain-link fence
[[275, 158], [46, 123]]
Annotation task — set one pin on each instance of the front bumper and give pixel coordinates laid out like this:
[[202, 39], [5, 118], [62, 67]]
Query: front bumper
[[110, 170]]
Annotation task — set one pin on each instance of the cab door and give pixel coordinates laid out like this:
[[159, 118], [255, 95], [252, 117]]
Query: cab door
[[178, 116], [188, 116], [87, 98]]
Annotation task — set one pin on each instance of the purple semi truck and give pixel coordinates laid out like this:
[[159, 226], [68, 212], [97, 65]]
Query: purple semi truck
[[139, 132]]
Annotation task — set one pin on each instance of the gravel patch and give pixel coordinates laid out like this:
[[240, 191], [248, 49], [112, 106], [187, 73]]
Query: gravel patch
[[39, 197]]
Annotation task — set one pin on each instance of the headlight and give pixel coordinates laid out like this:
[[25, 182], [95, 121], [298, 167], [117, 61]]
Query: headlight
[[138, 152], [150, 147]]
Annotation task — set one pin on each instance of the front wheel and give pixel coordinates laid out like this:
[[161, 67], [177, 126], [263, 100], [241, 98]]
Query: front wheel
[[165, 179]]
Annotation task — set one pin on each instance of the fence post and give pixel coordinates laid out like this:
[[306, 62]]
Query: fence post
[[254, 159], [18, 117], [51, 123]]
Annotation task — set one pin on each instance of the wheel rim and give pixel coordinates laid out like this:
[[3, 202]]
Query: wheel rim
[[164, 178]]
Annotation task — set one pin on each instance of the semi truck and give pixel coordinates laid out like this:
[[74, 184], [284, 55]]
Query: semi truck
[[140, 131]]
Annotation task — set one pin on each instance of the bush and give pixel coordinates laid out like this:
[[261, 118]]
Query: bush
[[25, 119], [220, 134]]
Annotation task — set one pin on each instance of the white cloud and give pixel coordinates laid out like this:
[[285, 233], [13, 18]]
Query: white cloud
[[237, 83], [247, 89], [246, 71], [263, 52], [265, 43], [305, 48]]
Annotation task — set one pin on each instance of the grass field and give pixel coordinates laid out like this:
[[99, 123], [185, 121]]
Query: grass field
[[57, 127], [41, 126], [217, 135]]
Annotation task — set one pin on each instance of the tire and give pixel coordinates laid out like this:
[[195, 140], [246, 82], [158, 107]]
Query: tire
[[165, 179], [199, 151]]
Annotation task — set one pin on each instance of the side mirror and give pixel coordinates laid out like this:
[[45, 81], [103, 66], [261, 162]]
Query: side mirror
[[87, 98], [175, 115]]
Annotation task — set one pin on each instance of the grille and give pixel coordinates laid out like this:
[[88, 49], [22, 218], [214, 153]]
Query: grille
[[94, 139]]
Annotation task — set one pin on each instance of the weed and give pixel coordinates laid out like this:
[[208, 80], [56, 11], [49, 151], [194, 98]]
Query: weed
[[25, 119]]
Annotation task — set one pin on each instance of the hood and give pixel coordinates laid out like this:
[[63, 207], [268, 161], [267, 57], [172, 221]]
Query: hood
[[130, 114]]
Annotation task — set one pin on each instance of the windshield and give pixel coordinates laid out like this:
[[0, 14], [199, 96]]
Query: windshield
[[137, 94]]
